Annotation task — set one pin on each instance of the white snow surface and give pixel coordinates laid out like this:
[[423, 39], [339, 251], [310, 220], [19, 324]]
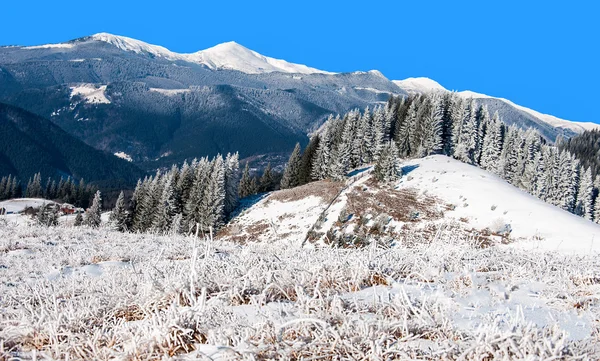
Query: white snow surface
[[50, 46], [170, 92], [535, 224], [229, 55], [19, 204], [426, 85], [124, 155], [90, 93], [418, 85]]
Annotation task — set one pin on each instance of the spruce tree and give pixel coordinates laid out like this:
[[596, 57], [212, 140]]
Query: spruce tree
[[119, 214], [92, 215], [245, 183], [267, 180], [291, 174], [387, 168], [321, 162], [78, 219], [585, 195], [232, 182], [308, 157]]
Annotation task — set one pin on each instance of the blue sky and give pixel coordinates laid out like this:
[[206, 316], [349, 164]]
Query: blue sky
[[540, 54]]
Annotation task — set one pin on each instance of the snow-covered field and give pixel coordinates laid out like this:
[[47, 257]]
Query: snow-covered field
[[78, 293], [259, 290]]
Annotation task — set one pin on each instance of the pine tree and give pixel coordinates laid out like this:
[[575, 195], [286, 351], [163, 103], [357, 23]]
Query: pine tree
[[431, 141], [320, 165], [34, 187], [92, 215], [585, 196], [306, 163], [267, 180], [232, 181], [291, 174], [212, 204], [245, 188], [165, 208], [119, 214], [387, 168], [378, 133], [78, 220], [406, 137]]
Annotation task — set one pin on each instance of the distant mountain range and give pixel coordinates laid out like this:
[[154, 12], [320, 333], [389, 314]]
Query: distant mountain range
[[30, 144], [156, 107]]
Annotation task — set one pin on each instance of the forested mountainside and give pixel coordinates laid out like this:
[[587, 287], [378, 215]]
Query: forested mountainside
[[30, 144], [157, 107]]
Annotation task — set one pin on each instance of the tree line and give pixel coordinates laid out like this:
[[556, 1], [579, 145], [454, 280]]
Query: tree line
[[446, 123], [78, 193]]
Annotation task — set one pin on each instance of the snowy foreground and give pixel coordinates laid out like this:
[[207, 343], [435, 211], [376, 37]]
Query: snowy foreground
[[78, 293]]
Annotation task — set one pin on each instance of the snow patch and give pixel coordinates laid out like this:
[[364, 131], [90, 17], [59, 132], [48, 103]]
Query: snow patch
[[91, 93], [170, 92], [50, 46], [124, 155]]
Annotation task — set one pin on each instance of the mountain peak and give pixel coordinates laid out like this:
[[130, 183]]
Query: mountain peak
[[419, 85]]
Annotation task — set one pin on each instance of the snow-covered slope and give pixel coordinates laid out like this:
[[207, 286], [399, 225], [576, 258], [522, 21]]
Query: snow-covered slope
[[437, 197], [419, 85], [425, 85], [232, 55], [484, 200], [229, 55]]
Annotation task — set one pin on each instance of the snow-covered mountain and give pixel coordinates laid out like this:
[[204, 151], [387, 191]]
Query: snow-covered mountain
[[125, 96], [425, 85], [229, 55]]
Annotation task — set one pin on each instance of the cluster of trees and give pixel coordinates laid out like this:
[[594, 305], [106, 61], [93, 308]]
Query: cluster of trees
[[68, 191], [250, 185], [196, 196], [445, 123], [586, 147], [10, 187]]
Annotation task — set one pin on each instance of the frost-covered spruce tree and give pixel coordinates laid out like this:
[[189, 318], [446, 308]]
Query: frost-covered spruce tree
[[431, 141], [387, 168], [509, 159], [92, 215], [585, 195], [119, 215], [457, 107], [34, 187], [194, 214], [291, 174], [492, 145], [165, 209], [184, 186], [245, 188], [465, 149], [78, 220], [337, 167], [405, 135], [321, 163], [267, 180], [213, 202], [232, 181], [390, 115], [306, 163], [379, 133], [483, 121]]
